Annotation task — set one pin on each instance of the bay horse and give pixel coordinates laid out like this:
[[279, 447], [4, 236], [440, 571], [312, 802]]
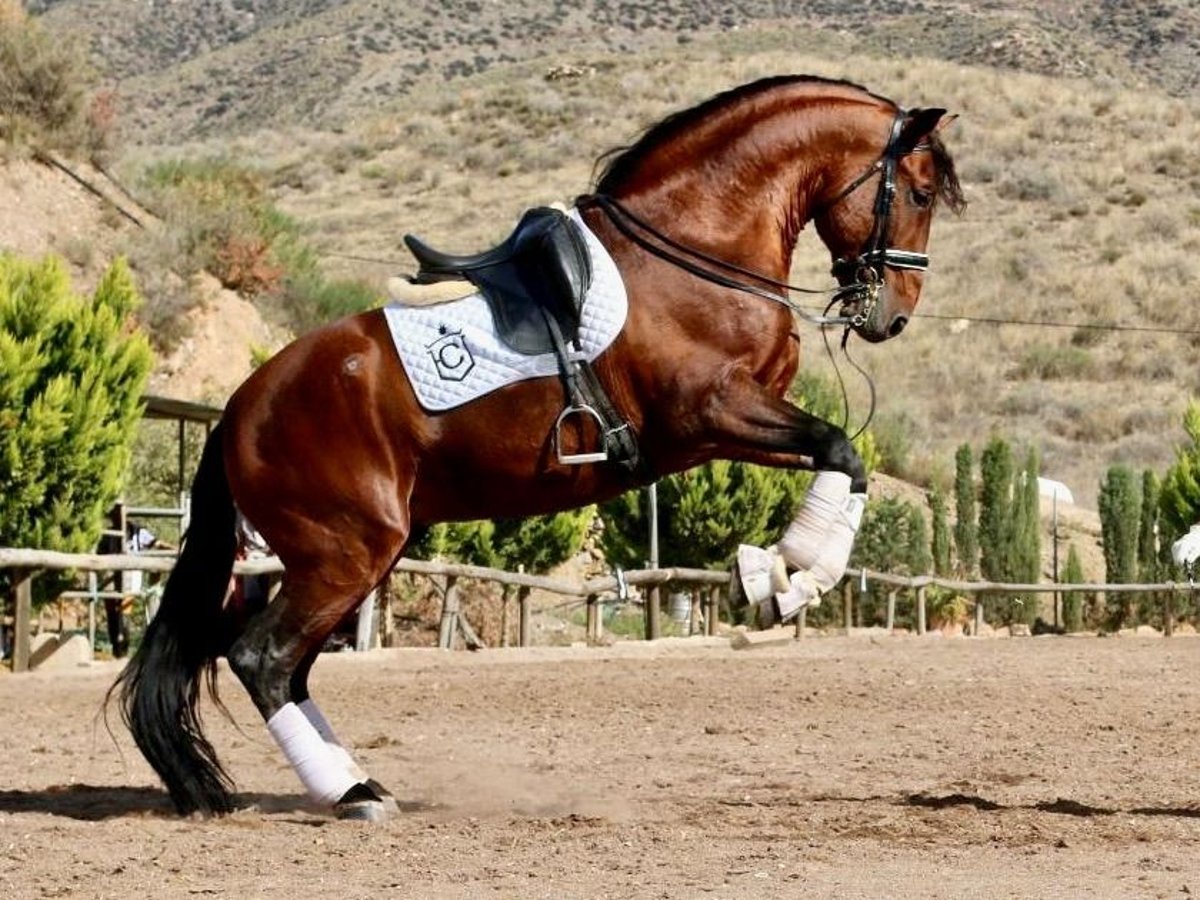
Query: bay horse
[[326, 450]]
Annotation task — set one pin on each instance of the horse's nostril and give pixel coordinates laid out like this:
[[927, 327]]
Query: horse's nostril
[[898, 324]]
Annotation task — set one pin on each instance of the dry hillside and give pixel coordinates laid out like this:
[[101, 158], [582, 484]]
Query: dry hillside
[[1076, 141]]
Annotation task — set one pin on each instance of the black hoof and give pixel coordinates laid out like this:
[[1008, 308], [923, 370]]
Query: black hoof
[[385, 796], [363, 803]]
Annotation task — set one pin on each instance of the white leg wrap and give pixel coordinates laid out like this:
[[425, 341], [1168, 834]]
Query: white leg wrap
[[802, 542], [802, 591], [322, 773], [317, 719], [822, 560], [830, 563]]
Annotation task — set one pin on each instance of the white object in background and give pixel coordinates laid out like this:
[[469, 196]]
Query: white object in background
[[1186, 550]]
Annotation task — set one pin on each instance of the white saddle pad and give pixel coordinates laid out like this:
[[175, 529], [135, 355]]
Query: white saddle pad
[[451, 352]]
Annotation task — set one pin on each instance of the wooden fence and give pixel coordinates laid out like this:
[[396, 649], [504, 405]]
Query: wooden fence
[[706, 587], [979, 590]]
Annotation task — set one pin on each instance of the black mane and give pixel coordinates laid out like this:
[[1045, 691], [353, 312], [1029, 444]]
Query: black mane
[[619, 163]]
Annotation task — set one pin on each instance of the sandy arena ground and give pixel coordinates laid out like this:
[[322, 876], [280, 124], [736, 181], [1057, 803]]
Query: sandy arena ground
[[833, 767]]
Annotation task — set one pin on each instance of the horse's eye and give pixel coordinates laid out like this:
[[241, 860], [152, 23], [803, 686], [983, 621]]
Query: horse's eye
[[922, 199]]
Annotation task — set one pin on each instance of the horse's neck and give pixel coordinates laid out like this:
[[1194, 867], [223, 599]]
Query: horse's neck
[[751, 210]]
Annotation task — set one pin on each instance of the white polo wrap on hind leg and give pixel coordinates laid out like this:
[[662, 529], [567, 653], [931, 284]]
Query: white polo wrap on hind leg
[[318, 721], [320, 769], [819, 540]]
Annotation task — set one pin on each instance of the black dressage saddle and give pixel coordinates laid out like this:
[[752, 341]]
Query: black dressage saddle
[[541, 269]]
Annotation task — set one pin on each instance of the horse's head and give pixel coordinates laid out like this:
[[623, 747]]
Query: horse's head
[[877, 238]]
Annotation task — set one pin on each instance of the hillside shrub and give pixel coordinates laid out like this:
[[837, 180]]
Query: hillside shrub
[[220, 218], [44, 91]]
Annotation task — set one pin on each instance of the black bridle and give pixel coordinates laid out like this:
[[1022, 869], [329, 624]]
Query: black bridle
[[860, 277], [876, 254]]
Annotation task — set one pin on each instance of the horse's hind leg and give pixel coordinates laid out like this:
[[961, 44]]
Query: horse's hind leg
[[272, 657], [312, 712]]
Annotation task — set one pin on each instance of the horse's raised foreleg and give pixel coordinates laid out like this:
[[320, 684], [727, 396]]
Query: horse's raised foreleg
[[756, 426], [749, 423]]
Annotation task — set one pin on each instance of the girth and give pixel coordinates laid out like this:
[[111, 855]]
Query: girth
[[543, 265]]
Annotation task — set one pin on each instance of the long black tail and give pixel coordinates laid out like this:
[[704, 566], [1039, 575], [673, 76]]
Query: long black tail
[[160, 687]]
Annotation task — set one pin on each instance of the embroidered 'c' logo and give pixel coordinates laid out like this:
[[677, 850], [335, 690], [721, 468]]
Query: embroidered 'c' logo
[[451, 356]]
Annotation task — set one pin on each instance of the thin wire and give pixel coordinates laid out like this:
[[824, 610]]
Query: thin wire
[[1090, 326]]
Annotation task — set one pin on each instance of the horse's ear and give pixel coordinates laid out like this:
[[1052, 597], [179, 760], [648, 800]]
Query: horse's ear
[[919, 125]]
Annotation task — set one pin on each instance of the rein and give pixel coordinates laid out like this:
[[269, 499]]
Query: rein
[[636, 228]]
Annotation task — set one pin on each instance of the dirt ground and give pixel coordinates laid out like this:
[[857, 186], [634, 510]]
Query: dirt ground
[[848, 767]]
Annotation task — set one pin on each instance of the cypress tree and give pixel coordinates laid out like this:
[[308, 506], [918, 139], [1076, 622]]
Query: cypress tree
[[1073, 600], [1149, 556], [72, 372], [966, 526], [940, 546], [1026, 558], [1120, 513], [919, 559], [995, 510]]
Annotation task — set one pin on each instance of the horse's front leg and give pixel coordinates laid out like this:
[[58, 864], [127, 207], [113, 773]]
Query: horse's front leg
[[748, 423]]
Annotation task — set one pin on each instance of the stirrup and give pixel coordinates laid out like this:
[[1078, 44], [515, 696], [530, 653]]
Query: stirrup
[[577, 459]]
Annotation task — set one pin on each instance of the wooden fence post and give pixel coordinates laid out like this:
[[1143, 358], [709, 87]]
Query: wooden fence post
[[449, 624], [714, 606], [22, 618], [847, 605], [653, 614], [593, 619], [801, 621], [978, 614], [921, 609], [1169, 613], [387, 627], [523, 638], [505, 604], [891, 611]]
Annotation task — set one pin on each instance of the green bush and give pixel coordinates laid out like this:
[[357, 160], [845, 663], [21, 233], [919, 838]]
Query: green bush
[[72, 372], [538, 543], [1179, 493]]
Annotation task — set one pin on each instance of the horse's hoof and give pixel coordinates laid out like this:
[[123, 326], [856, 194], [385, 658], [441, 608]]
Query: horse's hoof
[[363, 811], [365, 803], [385, 796]]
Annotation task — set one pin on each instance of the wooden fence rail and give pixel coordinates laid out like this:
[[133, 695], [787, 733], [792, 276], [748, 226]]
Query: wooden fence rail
[[706, 585], [979, 589], [26, 564]]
